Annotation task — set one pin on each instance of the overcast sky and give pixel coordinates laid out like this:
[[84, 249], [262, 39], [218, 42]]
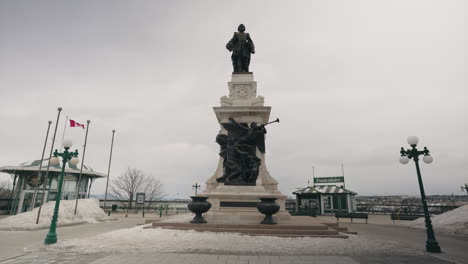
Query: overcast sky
[[350, 80]]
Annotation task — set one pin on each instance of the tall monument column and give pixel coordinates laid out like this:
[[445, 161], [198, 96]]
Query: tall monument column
[[242, 178]]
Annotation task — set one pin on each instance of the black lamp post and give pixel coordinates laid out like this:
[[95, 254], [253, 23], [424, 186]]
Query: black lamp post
[[196, 187], [431, 243]]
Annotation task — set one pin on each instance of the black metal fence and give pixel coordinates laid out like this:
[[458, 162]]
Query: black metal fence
[[304, 211], [160, 207], [402, 209]]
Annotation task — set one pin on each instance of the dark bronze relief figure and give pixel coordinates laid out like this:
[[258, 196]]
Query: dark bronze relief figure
[[241, 165]]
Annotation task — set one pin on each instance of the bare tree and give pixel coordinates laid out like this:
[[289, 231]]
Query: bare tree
[[5, 189], [133, 181]]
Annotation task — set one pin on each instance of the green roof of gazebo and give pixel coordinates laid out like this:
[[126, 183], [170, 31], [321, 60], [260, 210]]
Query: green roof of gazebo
[[324, 189], [34, 166]]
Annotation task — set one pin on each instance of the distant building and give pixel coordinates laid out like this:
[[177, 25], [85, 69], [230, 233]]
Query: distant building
[[25, 180], [325, 199]]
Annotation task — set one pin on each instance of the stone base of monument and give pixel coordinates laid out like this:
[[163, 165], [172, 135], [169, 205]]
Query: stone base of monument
[[237, 204], [296, 226]]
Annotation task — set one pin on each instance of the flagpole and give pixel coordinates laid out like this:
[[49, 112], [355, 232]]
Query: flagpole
[[64, 130], [82, 163], [313, 176], [90, 183], [342, 172], [39, 175], [108, 170], [48, 166]]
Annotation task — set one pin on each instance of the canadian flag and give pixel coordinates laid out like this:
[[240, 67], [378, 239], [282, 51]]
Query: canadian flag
[[73, 123]]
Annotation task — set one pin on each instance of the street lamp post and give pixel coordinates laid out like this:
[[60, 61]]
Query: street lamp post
[[196, 186], [431, 243], [66, 155]]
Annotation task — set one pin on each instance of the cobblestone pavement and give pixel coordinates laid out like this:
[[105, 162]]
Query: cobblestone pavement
[[169, 258]]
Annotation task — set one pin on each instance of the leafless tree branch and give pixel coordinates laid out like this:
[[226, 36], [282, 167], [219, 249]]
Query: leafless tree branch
[[133, 181]]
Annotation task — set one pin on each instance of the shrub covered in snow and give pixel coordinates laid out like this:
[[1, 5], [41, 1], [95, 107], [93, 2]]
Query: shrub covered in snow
[[88, 212], [452, 222]]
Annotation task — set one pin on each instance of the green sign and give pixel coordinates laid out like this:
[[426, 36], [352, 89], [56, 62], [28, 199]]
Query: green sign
[[329, 179]]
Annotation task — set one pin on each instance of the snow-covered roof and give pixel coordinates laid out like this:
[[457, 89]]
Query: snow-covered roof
[[34, 166], [324, 189]]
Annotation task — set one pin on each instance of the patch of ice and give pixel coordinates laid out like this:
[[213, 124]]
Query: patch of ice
[[451, 222], [88, 212]]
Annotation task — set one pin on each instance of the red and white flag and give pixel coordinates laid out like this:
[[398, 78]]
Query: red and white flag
[[73, 123]]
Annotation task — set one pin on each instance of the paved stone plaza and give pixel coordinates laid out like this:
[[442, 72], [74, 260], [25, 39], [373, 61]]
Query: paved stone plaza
[[26, 247], [169, 258]]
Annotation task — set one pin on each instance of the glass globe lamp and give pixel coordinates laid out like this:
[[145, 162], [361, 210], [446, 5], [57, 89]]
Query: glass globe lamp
[[404, 159]]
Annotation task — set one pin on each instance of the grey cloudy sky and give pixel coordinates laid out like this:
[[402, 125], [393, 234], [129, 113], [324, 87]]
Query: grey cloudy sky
[[350, 80]]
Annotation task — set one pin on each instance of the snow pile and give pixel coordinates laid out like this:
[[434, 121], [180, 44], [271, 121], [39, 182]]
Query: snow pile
[[88, 212], [139, 240], [452, 222]]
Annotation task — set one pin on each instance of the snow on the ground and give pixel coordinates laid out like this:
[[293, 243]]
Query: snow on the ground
[[451, 222], [140, 240], [88, 212]]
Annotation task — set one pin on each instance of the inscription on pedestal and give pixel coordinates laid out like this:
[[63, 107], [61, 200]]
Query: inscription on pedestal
[[238, 204]]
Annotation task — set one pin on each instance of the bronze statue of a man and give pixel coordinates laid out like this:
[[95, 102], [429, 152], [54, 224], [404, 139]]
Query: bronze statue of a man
[[241, 46]]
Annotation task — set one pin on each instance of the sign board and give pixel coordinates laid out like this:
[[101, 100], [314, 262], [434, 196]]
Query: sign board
[[337, 179], [140, 198]]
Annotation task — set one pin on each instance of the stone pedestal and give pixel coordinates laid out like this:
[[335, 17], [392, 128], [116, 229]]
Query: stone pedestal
[[232, 204]]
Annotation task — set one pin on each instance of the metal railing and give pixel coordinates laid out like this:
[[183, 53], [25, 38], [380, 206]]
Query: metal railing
[[412, 209]]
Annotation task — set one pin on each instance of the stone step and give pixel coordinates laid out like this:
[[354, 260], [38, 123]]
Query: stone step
[[301, 235], [266, 232], [297, 227], [256, 230], [331, 224], [338, 228]]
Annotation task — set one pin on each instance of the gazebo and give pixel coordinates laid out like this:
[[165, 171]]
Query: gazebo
[[25, 181], [325, 199]]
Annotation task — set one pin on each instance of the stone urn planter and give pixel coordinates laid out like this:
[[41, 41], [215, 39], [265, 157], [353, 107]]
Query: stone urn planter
[[199, 205], [268, 207]]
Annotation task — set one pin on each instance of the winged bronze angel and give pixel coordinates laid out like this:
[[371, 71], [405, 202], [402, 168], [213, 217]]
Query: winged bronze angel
[[239, 151]]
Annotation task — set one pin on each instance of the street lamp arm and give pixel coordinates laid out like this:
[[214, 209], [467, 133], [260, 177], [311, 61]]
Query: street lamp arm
[[414, 153], [403, 152], [425, 151]]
